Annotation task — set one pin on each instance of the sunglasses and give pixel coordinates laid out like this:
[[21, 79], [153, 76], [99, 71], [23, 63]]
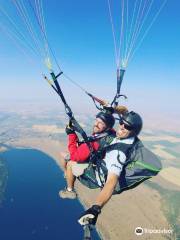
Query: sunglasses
[[126, 126]]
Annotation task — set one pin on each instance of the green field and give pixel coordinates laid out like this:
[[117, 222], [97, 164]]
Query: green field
[[170, 206]]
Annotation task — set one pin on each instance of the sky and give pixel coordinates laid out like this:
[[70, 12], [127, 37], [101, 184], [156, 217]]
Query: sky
[[81, 37]]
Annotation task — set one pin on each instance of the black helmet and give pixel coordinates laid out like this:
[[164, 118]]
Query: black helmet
[[107, 118], [134, 121]]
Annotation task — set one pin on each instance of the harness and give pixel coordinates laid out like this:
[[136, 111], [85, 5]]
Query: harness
[[140, 165], [107, 147], [97, 167], [122, 147], [89, 176]]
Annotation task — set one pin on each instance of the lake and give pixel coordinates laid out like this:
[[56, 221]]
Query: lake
[[32, 209]]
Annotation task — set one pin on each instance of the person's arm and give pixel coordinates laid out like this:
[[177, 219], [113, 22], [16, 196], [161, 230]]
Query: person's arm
[[90, 216], [114, 170], [79, 153], [107, 190]]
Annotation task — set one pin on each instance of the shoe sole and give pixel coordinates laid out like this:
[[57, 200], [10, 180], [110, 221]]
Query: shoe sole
[[65, 197]]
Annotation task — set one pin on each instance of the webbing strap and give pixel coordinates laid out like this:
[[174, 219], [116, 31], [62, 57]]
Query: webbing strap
[[94, 138], [58, 87], [99, 168], [80, 130], [95, 99], [68, 110], [120, 76]]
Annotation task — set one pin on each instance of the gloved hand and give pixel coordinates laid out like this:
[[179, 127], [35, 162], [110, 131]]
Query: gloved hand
[[69, 128], [90, 216]]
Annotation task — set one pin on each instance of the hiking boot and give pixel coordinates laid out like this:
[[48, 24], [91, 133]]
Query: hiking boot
[[68, 194]]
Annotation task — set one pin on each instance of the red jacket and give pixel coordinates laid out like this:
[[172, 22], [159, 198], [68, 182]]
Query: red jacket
[[79, 153]]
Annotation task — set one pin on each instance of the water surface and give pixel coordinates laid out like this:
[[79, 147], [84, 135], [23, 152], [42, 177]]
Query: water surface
[[32, 209]]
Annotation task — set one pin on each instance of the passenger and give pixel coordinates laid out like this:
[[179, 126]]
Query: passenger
[[78, 154]]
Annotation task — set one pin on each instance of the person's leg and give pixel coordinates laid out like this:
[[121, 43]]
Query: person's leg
[[65, 158], [63, 164], [70, 178]]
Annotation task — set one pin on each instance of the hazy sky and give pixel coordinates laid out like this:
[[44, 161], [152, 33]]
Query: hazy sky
[[80, 34]]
